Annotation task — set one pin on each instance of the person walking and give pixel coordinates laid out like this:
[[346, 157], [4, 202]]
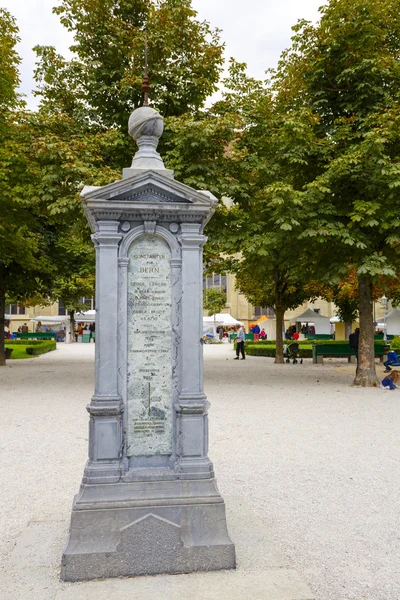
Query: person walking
[[240, 343]]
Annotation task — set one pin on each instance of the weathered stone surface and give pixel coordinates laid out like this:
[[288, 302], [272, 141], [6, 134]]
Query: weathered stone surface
[[149, 378], [168, 539], [148, 502]]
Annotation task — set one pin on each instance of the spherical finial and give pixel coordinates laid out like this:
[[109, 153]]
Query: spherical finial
[[145, 121]]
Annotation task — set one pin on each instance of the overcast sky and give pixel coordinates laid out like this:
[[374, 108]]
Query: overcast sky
[[255, 32]]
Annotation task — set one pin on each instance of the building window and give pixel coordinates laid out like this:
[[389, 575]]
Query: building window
[[61, 308], [259, 311], [15, 309], [88, 302], [215, 281], [317, 310]]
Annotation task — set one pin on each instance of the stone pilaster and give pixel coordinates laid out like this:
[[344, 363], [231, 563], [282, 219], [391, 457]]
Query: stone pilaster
[[191, 409], [105, 408]]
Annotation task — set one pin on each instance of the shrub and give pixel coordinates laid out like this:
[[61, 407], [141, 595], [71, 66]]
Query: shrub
[[41, 348], [23, 342], [395, 343], [270, 351], [308, 343]]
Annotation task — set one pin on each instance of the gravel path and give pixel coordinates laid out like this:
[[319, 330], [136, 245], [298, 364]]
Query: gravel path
[[321, 462], [308, 466]]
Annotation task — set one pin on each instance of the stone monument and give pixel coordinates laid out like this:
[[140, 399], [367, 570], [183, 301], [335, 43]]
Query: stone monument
[[149, 501]]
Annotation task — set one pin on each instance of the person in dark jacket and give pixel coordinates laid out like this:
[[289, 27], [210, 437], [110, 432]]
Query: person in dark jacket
[[353, 341]]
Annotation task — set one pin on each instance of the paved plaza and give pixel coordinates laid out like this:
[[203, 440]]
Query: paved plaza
[[308, 466]]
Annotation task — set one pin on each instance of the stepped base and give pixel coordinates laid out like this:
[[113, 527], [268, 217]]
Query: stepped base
[[147, 528]]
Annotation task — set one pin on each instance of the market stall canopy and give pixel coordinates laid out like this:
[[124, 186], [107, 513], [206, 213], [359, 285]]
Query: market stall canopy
[[335, 320], [392, 322], [88, 316], [224, 319], [262, 321], [321, 323], [50, 320]]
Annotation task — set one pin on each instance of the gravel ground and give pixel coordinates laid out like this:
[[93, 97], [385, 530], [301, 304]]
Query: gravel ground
[[308, 466], [321, 462]]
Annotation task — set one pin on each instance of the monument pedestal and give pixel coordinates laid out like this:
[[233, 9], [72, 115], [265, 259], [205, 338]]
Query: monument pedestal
[[148, 502], [143, 527]]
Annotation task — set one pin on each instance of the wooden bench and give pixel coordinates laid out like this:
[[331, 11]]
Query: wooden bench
[[39, 335], [320, 351]]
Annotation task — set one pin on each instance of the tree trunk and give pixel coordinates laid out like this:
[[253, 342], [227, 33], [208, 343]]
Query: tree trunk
[[347, 329], [72, 326], [2, 311], [279, 314], [366, 374]]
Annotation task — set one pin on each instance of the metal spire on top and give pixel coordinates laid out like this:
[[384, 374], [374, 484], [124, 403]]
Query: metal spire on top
[[146, 88]]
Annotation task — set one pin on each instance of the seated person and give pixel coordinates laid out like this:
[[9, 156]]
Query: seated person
[[389, 382], [390, 359]]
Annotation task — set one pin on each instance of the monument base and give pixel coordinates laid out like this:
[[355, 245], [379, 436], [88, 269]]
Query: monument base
[[147, 528]]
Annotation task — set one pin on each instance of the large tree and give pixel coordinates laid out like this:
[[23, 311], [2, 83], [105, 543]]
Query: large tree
[[346, 71], [101, 84], [24, 264]]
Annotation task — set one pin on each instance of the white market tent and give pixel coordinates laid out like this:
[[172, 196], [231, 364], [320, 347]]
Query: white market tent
[[51, 320], [392, 322], [88, 316], [224, 319], [322, 324]]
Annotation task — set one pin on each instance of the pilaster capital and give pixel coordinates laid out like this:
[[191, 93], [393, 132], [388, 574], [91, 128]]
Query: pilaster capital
[[107, 234], [193, 241]]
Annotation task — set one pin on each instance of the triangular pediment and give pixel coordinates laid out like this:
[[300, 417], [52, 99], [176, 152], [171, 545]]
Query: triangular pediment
[[149, 187]]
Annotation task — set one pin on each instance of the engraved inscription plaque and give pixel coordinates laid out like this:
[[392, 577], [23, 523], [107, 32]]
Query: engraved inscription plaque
[[149, 397]]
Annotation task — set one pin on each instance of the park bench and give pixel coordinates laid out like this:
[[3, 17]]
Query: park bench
[[39, 335], [318, 336], [320, 351], [247, 336]]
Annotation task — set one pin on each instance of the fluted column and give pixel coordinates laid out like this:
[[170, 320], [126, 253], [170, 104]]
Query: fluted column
[[192, 419]]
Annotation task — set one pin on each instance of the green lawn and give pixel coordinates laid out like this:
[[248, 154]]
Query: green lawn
[[19, 351], [30, 348]]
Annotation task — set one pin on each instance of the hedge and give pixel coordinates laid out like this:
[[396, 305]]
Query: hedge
[[41, 348], [306, 343], [270, 351], [25, 342], [395, 343]]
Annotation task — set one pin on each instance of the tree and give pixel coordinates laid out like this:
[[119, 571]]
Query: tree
[[268, 161], [345, 70], [344, 294], [101, 85], [24, 264], [86, 102], [214, 301], [272, 280]]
